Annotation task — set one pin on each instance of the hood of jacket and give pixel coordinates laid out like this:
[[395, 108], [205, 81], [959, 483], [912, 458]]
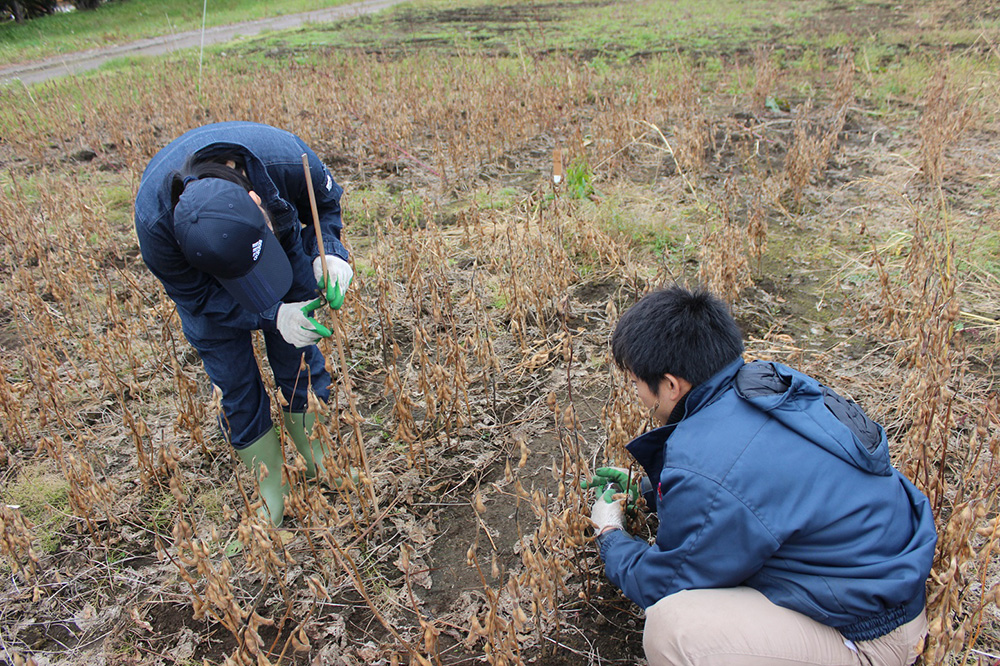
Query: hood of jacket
[[817, 413], [831, 421], [283, 214]]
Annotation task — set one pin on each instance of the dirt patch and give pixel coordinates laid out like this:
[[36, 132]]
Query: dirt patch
[[843, 17], [184, 637], [500, 18]]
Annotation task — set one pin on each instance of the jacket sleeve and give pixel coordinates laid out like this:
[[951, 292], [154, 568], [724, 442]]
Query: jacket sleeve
[[328, 194], [707, 538], [194, 292]]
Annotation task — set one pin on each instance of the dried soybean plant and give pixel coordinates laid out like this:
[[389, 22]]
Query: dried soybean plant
[[529, 609], [624, 419], [13, 425], [210, 583], [16, 545], [725, 267], [815, 135], [765, 77], [693, 129], [949, 444], [948, 112]]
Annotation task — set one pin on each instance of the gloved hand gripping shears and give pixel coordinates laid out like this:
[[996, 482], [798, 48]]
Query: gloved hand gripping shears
[[608, 514], [610, 481], [331, 292]]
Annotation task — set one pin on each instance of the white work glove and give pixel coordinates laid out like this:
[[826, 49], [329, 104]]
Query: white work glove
[[341, 275], [607, 516], [294, 325]]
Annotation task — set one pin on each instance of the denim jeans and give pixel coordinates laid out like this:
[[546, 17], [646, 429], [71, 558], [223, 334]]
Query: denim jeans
[[246, 408]]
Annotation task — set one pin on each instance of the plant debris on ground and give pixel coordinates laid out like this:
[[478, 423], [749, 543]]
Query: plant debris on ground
[[830, 170]]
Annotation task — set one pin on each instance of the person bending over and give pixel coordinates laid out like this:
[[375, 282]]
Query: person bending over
[[224, 220]]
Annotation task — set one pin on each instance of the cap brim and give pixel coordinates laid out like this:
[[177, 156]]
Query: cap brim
[[267, 282]]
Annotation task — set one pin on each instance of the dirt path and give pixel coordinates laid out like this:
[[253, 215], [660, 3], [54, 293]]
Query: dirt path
[[72, 63]]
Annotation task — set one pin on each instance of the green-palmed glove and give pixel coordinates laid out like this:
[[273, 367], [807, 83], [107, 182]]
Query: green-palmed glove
[[298, 329], [609, 480], [340, 275]]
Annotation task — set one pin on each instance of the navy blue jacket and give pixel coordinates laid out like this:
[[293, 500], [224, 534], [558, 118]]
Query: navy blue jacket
[[274, 166], [772, 481]]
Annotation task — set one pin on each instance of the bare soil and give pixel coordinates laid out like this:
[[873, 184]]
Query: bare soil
[[146, 616]]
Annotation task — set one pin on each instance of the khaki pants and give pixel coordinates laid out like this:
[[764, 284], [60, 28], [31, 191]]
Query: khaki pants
[[740, 627]]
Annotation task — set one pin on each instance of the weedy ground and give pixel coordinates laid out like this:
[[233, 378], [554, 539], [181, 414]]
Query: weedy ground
[[829, 169]]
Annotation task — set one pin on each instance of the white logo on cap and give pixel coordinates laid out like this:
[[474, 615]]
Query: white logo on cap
[[256, 248]]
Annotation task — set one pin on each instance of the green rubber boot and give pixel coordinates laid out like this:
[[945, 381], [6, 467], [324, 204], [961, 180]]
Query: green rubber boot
[[266, 451], [299, 427]]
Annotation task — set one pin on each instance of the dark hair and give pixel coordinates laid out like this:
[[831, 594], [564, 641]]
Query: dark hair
[[208, 165], [688, 334]]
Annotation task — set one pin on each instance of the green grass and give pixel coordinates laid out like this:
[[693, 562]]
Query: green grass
[[699, 29], [124, 21], [501, 199], [718, 40], [161, 510], [895, 55], [578, 180], [622, 216], [499, 300], [211, 503], [43, 496], [364, 268]]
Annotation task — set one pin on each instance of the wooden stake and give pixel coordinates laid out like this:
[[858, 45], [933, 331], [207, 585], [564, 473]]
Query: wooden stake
[[345, 378], [315, 212]]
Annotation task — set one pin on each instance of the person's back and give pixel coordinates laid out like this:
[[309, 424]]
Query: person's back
[[270, 151], [852, 535]]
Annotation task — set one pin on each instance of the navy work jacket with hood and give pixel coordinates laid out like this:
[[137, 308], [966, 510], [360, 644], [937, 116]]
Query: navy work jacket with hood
[[772, 481], [273, 163]]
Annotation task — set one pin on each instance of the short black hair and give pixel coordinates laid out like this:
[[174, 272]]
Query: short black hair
[[688, 334], [208, 165]]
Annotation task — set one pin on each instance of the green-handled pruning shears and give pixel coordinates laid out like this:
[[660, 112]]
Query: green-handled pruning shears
[[311, 307], [332, 296], [332, 293], [609, 481]]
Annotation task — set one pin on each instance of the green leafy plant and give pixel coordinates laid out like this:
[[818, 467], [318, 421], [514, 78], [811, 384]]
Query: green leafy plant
[[579, 180]]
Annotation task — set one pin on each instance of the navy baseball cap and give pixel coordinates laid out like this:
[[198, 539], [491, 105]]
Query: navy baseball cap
[[223, 232]]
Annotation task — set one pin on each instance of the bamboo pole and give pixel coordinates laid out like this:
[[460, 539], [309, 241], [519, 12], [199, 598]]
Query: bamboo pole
[[338, 332]]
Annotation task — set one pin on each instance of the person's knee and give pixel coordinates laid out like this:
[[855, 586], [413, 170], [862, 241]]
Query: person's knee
[[667, 633]]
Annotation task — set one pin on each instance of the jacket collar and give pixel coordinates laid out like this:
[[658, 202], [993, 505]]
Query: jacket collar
[[259, 178], [677, 413], [648, 448], [708, 392]]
